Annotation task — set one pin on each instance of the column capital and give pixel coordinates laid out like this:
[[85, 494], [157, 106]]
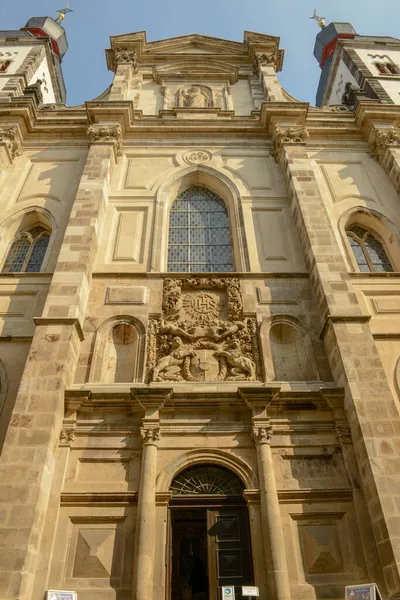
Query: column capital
[[262, 434], [150, 435], [67, 436], [282, 136], [342, 431], [381, 140], [264, 59], [125, 57], [101, 134], [10, 138]]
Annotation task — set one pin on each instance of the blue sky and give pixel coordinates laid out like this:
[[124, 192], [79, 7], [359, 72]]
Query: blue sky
[[94, 21]]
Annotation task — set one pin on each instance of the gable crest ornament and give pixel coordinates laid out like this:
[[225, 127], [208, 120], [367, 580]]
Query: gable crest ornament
[[203, 334]]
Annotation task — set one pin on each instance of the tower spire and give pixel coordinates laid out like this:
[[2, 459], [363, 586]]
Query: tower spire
[[62, 12], [320, 20]]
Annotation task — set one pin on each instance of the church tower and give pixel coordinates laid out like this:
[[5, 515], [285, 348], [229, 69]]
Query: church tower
[[199, 322]]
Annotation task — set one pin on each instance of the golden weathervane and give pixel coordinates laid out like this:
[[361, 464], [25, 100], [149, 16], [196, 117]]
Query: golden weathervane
[[320, 20], [62, 13]]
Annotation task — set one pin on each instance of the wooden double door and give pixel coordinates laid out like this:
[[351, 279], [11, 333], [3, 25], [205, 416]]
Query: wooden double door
[[209, 547]]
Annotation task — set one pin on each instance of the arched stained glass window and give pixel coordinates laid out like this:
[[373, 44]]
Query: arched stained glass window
[[206, 479], [199, 236], [27, 251], [368, 251]]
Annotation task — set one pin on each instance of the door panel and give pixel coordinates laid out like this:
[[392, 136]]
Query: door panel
[[229, 550]]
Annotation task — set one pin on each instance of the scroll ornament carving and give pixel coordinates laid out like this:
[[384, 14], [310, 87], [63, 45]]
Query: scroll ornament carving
[[150, 435], [104, 133], [125, 57], [263, 59], [262, 435], [197, 157], [67, 436], [289, 135], [10, 137], [203, 334], [384, 139], [343, 433]]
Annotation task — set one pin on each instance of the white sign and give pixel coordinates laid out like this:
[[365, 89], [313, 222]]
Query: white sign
[[61, 595], [248, 590], [228, 593]]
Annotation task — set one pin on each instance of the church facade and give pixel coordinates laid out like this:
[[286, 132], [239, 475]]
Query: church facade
[[200, 322]]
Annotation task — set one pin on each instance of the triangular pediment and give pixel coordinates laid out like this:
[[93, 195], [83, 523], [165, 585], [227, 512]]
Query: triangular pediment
[[195, 44]]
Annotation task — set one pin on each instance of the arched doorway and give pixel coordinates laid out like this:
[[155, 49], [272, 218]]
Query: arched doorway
[[209, 542]]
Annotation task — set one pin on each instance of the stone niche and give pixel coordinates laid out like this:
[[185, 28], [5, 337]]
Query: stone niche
[[203, 334]]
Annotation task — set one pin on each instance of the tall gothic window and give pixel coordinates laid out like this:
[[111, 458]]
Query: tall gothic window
[[199, 236], [368, 251], [27, 251]]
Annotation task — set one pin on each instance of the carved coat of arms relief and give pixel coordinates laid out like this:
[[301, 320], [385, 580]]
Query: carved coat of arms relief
[[202, 334]]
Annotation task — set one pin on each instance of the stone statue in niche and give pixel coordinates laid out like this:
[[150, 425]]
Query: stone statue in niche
[[195, 97], [203, 334]]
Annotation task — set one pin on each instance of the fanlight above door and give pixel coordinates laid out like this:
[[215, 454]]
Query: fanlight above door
[[206, 480]]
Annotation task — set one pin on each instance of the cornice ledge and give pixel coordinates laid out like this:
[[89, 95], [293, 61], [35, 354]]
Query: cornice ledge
[[61, 321], [283, 113], [119, 111], [343, 319], [370, 113]]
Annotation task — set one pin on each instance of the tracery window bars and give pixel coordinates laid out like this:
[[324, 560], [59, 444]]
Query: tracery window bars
[[368, 251], [207, 479], [27, 251], [199, 236]]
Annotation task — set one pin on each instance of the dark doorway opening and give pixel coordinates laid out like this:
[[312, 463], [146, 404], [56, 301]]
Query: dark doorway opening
[[209, 548]]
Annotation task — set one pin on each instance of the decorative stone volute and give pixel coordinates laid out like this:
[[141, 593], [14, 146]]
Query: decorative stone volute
[[342, 432], [287, 135], [11, 139], [105, 133], [67, 436]]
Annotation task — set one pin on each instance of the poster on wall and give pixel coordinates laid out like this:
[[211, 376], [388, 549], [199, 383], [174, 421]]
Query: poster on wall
[[61, 595], [366, 591]]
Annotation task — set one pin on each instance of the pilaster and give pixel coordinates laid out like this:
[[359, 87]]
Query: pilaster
[[125, 66], [264, 64], [27, 463], [385, 147], [369, 405]]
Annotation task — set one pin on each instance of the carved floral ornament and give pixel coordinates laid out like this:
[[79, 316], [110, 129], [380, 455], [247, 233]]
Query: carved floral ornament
[[104, 133], [342, 432], [203, 334], [384, 139], [288, 135], [10, 137]]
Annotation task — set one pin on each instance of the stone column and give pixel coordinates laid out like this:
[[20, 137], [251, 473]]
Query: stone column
[[125, 65], [264, 67], [270, 513], [27, 463], [369, 404], [146, 515]]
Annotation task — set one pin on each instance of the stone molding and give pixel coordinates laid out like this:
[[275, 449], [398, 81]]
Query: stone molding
[[262, 434], [10, 138], [287, 136], [105, 134], [382, 140], [150, 435]]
